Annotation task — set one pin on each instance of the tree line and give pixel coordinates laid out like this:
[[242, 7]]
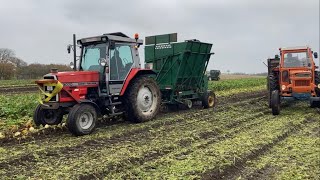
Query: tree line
[[12, 67]]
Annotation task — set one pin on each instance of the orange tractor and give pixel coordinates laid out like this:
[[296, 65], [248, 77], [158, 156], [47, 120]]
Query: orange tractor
[[293, 75]]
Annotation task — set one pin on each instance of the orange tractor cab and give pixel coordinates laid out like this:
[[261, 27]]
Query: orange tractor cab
[[293, 75]]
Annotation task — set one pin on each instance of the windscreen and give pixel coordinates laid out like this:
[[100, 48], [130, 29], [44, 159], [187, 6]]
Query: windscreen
[[300, 59], [91, 55]]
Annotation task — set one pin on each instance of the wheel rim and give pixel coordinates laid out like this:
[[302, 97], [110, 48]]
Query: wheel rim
[[211, 101], [145, 100], [86, 120]]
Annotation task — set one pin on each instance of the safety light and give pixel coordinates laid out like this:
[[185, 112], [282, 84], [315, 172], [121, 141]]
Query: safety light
[[136, 36]]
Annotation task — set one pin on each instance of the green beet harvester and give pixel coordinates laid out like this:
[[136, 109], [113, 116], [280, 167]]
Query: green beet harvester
[[180, 69]]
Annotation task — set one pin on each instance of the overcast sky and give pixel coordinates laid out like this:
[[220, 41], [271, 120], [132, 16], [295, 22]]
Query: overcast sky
[[244, 33]]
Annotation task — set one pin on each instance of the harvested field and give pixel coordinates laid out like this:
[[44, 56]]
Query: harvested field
[[238, 139]]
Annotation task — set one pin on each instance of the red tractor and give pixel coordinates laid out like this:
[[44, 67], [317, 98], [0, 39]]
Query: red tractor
[[293, 75], [108, 81]]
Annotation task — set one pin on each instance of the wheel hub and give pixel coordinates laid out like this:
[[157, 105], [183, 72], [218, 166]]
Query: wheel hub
[[145, 99], [86, 120]]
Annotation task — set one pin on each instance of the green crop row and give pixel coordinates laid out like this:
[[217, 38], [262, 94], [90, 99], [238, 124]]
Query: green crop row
[[236, 84], [21, 82], [16, 109]]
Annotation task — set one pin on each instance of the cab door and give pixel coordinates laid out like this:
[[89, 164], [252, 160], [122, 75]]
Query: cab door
[[120, 64]]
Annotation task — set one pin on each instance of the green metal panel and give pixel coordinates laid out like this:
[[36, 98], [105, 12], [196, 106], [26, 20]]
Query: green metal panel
[[180, 67], [164, 38]]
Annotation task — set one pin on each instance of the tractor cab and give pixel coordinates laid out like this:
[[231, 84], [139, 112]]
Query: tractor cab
[[297, 69], [113, 56]]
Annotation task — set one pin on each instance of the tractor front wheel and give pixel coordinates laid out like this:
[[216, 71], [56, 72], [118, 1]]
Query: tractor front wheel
[[82, 119], [142, 99], [314, 104], [209, 100], [43, 116], [275, 102]]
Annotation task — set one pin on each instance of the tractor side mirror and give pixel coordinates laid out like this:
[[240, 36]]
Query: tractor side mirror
[[315, 55], [71, 65], [103, 62], [69, 49]]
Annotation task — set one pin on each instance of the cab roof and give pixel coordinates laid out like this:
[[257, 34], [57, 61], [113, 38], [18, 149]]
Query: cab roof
[[116, 36], [294, 48]]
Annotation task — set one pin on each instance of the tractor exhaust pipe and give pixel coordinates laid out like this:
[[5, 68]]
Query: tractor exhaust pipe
[[74, 53]]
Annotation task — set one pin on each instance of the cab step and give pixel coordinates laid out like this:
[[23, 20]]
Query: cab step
[[116, 114]]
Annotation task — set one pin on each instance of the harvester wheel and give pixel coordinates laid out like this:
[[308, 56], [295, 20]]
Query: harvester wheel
[[189, 104], [209, 100], [317, 82], [43, 116], [82, 119], [275, 102], [273, 85], [142, 99]]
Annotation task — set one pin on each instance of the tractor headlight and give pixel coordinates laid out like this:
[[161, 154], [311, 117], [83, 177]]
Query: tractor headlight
[[319, 86], [283, 87]]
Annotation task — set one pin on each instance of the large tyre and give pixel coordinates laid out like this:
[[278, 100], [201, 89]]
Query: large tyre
[[43, 116], [275, 102], [209, 100], [317, 82], [314, 103], [82, 119], [142, 99], [273, 85]]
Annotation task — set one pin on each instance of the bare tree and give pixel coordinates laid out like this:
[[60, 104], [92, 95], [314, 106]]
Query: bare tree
[[6, 54], [17, 61]]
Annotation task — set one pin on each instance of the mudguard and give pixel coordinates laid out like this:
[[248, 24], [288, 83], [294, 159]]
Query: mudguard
[[134, 72]]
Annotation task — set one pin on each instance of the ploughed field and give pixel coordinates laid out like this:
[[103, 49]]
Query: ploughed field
[[239, 139]]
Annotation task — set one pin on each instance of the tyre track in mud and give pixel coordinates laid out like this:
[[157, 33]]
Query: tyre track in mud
[[234, 171], [18, 89], [29, 159], [114, 139], [45, 134], [268, 170], [212, 136]]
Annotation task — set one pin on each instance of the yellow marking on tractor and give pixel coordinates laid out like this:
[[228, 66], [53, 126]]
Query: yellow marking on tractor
[[57, 87]]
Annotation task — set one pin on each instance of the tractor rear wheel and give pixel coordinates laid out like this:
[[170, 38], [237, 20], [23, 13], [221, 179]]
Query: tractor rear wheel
[[273, 85], [275, 102], [317, 82], [209, 99], [82, 119], [142, 99], [43, 116]]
